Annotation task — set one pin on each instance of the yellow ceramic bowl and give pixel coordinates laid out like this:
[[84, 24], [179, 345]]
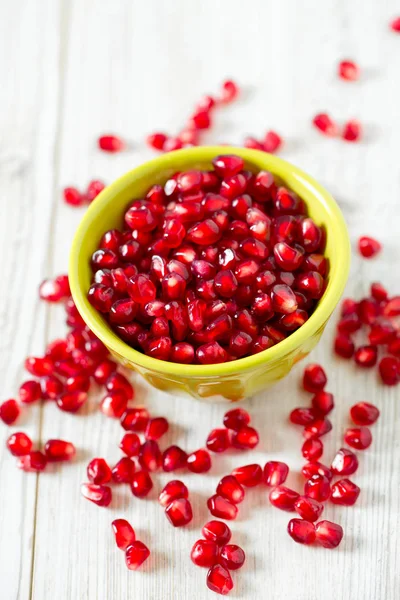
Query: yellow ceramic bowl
[[240, 378]]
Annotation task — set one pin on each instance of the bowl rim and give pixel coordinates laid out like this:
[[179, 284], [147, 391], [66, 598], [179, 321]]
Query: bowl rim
[[338, 274]]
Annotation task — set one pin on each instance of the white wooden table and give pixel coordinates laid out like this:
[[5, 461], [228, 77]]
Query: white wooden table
[[71, 70]]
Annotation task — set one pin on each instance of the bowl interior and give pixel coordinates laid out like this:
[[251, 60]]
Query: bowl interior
[[106, 212]]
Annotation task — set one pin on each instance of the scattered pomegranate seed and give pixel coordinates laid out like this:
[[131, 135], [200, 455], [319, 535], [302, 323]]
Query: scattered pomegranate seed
[[119, 383], [308, 509], [172, 490], [71, 401], [222, 508], [316, 468], [59, 450], [54, 290], [9, 411], [29, 391], [218, 440], [345, 462], [246, 437], [283, 498], [344, 346], [236, 418], [324, 123], [130, 444], [141, 484], [123, 471], [229, 91], [217, 531], [93, 189], [364, 413], [174, 458], [275, 473], [323, 403], [318, 428], [302, 416], [114, 404], [135, 419], [51, 387], [328, 534], [314, 378], [179, 512], [156, 428], [136, 554], [98, 471], [345, 492], [156, 140], [352, 131], [301, 531], [219, 580], [103, 371], [124, 533], [199, 461], [359, 438], [348, 70], [39, 366], [389, 370], [230, 488], [111, 143], [368, 246], [249, 475], [272, 142], [33, 461], [204, 553], [366, 356], [312, 449], [73, 197], [19, 444], [232, 557], [150, 456], [318, 488], [395, 25]]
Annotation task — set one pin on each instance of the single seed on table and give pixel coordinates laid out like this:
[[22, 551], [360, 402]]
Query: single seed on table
[[222, 508], [308, 508], [344, 346], [345, 462], [9, 411], [302, 416], [316, 468], [283, 498], [359, 438], [204, 553], [172, 490], [98, 494], [114, 404], [19, 444], [98, 471], [59, 450], [248, 475], [199, 461], [352, 131], [301, 531], [173, 458], [364, 413], [156, 428], [246, 437], [123, 471], [368, 246], [366, 356], [179, 512], [324, 123], [141, 484], [318, 428], [389, 370], [73, 196], [275, 473], [348, 70], [218, 440], [314, 378], [345, 492], [236, 418], [135, 419], [136, 554], [217, 531], [124, 533], [230, 488], [232, 557], [219, 580], [312, 449], [328, 534], [318, 488], [130, 444], [150, 456], [272, 142], [322, 402], [110, 143], [29, 391]]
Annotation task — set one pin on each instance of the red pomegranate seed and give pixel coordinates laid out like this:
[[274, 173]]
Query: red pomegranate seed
[[324, 123], [368, 246], [199, 461], [283, 498], [156, 140], [352, 131], [101, 297], [316, 468], [124, 533], [19, 444], [348, 70], [314, 378], [227, 165], [389, 370], [364, 413], [308, 509], [77, 382], [211, 353], [123, 471], [150, 456], [54, 290], [141, 484], [378, 292], [345, 492], [130, 444], [230, 488], [73, 197], [136, 554], [283, 299], [111, 143], [318, 428], [71, 401], [366, 356], [381, 332], [179, 512], [394, 347], [171, 144], [156, 428], [232, 557], [318, 488], [204, 553], [59, 450], [9, 411], [301, 531], [51, 387], [302, 416], [246, 438], [236, 419], [392, 307], [29, 391], [323, 402], [173, 458], [39, 366], [344, 346], [328, 534], [345, 462], [272, 141], [93, 189], [34, 461], [349, 324], [395, 25], [368, 310], [119, 383], [204, 233], [359, 438], [217, 531], [251, 142], [172, 490], [135, 419], [222, 508], [248, 475], [219, 580], [287, 257], [98, 471], [218, 440], [312, 449], [275, 473], [229, 91]]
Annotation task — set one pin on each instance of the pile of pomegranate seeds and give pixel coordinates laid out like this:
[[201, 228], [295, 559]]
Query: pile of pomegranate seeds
[[74, 197], [376, 318], [214, 266]]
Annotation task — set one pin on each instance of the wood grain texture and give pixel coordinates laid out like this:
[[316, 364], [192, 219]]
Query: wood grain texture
[[74, 69]]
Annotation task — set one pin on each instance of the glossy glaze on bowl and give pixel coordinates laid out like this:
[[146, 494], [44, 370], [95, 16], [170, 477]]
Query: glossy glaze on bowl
[[240, 378]]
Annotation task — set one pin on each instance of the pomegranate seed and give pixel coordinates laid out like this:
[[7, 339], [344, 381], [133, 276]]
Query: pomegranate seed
[[230, 488], [359, 438], [328, 534], [222, 508], [98, 471], [173, 458], [39, 366], [349, 324], [317, 428], [173, 489], [136, 554], [71, 401], [51, 387], [218, 440], [394, 348], [73, 197], [204, 553], [275, 473], [59, 450], [9, 411], [54, 290], [76, 383], [312, 449], [246, 437], [130, 444], [150, 456], [124, 533], [344, 346], [389, 370], [349, 307], [29, 391], [366, 356], [378, 292], [135, 419], [283, 299], [179, 512], [229, 92], [156, 428], [156, 140], [345, 492], [219, 580], [308, 509], [324, 123], [392, 307], [364, 413], [228, 165], [248, 475], [287, 257], [171, 144], [345, 462], [236, 419], [232, 557], [352, 131], [301, 531], [93, 189], [101, 297], [316, 468], [314, 378], [323, 403], [272, 141], [217, 531], [199, 461], [252, 143], [119, 383], [348, 70], [141, 484], [368, 246], [395, 25], [211, 353], [283, 498], [123, 471], [34, 461], [381, 332], [19, 444], [302, 416], [318, 488], [111, 143]]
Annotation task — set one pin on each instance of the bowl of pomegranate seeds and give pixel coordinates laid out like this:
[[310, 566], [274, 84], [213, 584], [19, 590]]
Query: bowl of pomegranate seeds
[[210, 270]]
